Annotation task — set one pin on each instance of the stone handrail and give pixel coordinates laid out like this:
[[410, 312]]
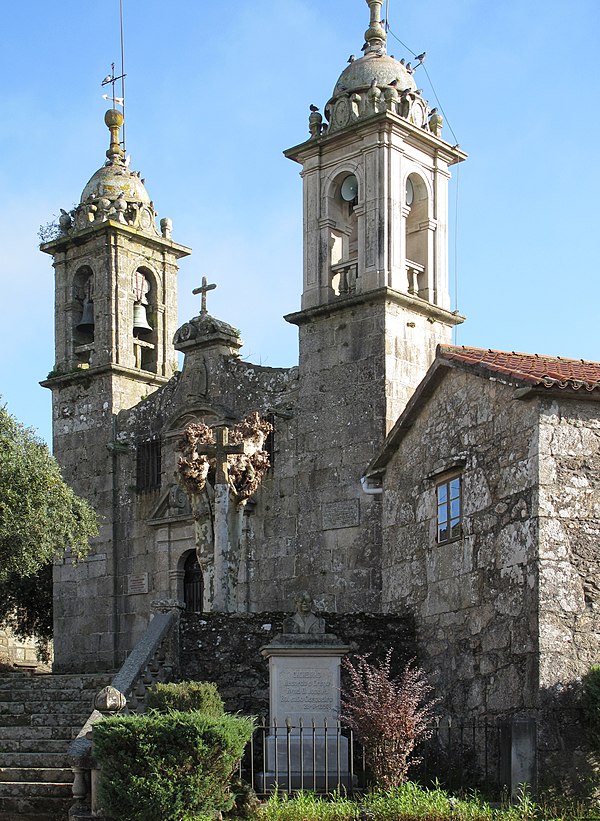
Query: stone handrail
[[152, 659]]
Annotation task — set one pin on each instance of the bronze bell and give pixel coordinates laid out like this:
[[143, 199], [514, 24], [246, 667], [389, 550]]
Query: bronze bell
[[86, 323], [140, 320]]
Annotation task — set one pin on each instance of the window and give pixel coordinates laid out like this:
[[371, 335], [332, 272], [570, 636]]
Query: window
[[148, 466], [449, 509]]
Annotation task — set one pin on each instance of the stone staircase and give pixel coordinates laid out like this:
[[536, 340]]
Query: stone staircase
[[39, 715]]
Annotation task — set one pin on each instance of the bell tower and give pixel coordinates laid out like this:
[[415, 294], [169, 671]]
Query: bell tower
[[116, 304], [375, 299], [115, 318]]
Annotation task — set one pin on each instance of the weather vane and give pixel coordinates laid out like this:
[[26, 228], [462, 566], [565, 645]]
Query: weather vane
[[111, 79]]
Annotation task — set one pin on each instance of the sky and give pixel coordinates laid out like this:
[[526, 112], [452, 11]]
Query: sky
[[215, 93]]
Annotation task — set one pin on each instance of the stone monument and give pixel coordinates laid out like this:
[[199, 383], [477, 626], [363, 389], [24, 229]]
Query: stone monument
[[304, 747]]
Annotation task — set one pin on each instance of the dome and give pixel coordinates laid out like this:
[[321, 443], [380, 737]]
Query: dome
[[116, 179], [359, 75]]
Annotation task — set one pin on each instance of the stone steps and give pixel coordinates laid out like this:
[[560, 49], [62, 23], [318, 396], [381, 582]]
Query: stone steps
[[39, 716]]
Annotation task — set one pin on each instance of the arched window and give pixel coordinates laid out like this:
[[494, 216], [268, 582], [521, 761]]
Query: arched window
[[417, 236], [144, 320], [193, 586], [343, 236], [83, 314]]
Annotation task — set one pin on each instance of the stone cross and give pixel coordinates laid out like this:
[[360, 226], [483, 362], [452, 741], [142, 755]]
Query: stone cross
[[220, 451], [224, 541], [204, 289]]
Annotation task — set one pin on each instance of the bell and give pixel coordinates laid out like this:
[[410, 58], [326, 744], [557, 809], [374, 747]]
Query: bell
[[86, 323], [140, 320]]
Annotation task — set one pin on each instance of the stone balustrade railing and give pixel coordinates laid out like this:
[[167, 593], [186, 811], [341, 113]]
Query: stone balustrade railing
[[152, 659]]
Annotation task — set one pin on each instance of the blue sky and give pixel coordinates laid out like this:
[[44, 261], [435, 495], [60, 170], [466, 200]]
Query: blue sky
[[216, 92]]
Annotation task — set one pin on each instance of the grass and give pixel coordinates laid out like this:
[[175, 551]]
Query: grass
[[412, 803]]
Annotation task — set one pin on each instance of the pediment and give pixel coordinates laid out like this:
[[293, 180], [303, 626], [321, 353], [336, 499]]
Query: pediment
[[173, 506]]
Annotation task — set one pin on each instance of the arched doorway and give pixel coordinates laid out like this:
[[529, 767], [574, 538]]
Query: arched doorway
[[193, 592]]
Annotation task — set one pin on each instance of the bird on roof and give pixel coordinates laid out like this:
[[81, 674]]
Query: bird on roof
[[420, 57], [352, 58], [314, 108], [402, 61], [364, 47], [409, 68], [394, 83], [432, 112]]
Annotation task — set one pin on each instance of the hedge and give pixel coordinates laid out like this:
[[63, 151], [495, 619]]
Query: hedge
[[168, 766]]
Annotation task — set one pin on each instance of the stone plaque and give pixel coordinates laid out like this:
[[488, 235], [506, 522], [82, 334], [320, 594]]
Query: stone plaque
[[137, 584], [340, 514], [305, 688]]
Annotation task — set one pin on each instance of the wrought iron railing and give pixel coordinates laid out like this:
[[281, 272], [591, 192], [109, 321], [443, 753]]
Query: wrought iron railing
[[327, 757], [320, 757]]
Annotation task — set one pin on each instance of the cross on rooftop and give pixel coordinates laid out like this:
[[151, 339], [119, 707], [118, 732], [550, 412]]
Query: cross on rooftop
[[204, 289], [220, 451]]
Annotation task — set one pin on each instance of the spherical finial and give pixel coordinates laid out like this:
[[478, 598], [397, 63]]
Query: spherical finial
[[114, 120]]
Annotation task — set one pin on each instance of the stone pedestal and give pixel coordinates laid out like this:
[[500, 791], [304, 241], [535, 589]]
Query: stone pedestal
[[304, 747]]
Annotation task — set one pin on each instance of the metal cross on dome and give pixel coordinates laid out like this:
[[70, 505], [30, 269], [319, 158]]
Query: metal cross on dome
[[204, 289]]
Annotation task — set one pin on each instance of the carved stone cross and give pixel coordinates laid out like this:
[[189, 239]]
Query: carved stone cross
[[204, 289], [220, 451]]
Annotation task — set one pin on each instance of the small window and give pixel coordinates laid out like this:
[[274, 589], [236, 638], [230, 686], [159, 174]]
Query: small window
[[148, 466], [449, 509]]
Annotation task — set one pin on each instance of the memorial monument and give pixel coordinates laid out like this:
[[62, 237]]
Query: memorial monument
[[305, 748]]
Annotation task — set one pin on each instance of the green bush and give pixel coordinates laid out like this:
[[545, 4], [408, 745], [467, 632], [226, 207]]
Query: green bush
[[168, 766], [185, 696]]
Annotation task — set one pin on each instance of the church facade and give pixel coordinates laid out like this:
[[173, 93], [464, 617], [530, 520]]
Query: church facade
[[345, 511]]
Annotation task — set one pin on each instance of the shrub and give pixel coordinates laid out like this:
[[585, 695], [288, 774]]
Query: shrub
[[389, 716], [185, 696], [168, 766]]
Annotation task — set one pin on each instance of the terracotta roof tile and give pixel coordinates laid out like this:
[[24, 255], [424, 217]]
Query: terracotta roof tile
[[534, 369]]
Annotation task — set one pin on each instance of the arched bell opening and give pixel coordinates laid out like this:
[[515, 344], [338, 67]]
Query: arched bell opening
[[342, 200], [193, 583], [83, 315], [417, 236], [145, 320]]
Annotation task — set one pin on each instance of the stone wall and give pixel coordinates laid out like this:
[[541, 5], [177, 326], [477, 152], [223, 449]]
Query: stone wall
[[225, 648], [569, 570], [474, 599]]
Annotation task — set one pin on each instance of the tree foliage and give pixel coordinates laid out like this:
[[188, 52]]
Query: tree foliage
[[389, 716], [40, 519]]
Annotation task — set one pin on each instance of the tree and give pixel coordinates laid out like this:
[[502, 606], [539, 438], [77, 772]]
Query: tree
[[389, 716], [40, 519]]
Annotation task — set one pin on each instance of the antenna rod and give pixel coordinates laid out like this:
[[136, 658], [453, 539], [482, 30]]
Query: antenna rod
[[122, 66]]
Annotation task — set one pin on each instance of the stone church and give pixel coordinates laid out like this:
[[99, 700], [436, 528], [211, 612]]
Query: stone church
[[456, 486]]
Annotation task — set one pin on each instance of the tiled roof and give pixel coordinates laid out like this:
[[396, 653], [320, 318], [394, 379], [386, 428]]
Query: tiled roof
[[534, 369]]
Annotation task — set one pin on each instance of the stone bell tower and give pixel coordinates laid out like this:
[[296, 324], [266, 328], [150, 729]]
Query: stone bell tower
[[375, 301], [115, 318]]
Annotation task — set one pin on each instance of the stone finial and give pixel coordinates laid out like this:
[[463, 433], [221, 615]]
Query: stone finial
[[114, 120], [375, 35], [166, 227], [109, 700], [436, 122]]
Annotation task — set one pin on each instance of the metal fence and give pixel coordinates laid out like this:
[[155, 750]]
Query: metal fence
[[327, 757]]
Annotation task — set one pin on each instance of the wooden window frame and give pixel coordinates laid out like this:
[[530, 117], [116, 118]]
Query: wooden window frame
[[452, 523]]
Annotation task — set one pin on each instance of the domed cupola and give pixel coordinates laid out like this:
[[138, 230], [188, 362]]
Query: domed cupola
[[373, 84], [114, 192]]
